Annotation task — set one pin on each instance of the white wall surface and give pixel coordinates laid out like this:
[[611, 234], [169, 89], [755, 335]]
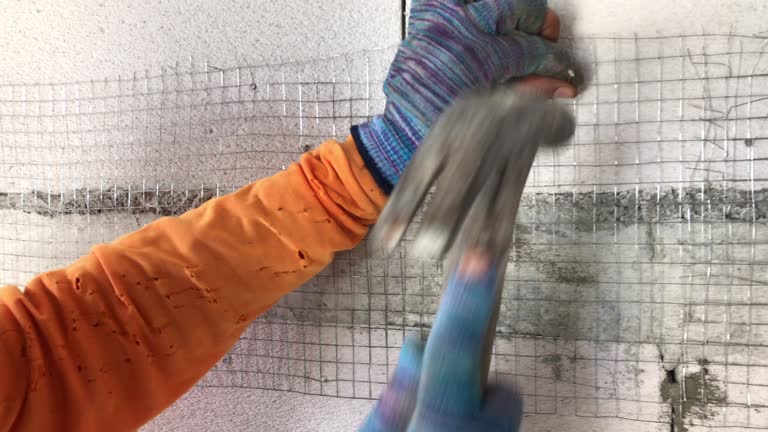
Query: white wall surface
[[55, 41], [62, 41]]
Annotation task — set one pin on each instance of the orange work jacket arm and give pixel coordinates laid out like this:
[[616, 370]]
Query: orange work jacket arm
[[109, 342]]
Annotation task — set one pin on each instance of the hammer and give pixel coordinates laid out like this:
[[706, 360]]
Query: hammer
[[479, 153]]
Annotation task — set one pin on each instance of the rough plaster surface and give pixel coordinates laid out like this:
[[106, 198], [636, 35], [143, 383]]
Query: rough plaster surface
[[620, 17], [626, 18], [47, 41], [53, 41], [298, 413]]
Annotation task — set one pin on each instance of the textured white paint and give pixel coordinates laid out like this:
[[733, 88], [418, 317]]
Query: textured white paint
[[279, 411], [55, 41], [660, 17]]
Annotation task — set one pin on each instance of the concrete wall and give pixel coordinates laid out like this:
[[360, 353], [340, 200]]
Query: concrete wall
[[600, 291]]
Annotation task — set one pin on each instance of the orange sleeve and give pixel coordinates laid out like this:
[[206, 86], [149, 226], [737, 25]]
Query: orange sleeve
[[110, 341]]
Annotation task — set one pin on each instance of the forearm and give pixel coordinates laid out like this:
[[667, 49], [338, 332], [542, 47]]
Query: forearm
[[110, 341]]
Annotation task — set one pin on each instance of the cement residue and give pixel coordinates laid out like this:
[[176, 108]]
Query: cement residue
[[558, 288], [583, 210], [556, 362], [586, 210], [703, 395], [99, 201], [568, 273]]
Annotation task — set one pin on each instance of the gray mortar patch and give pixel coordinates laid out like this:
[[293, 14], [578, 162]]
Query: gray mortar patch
[[93, 202], [568, 273], [585, 210], [582, 210], [703, 394], [555, 361], [550, 313]]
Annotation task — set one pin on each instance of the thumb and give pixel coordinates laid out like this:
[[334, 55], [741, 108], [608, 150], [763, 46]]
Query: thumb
[[546, 87], [503, 409], [524, 55], [394, 409]]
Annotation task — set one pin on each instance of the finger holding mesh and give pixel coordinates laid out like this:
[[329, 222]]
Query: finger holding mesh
[[501, 17], [523, 55]]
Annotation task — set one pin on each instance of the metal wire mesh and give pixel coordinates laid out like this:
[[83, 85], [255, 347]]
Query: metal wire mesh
[[637, 285]]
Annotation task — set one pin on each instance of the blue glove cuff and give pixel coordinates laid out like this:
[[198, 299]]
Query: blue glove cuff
[[370, 163], [386, 144]]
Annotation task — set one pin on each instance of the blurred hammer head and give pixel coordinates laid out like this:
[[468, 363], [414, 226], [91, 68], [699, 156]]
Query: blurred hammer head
[[482, 149]]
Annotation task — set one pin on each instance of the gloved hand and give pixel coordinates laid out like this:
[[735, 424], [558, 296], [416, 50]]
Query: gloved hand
[[441, 387], [453, 46]]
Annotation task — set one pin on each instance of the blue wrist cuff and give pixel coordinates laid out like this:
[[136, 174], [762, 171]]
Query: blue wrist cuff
[[388, 143], [378, 176]]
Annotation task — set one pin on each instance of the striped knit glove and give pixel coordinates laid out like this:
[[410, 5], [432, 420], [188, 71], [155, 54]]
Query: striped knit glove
[[440, 387], [452, 46]]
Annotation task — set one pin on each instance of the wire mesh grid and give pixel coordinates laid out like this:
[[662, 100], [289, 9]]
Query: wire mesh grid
[[637, 284]]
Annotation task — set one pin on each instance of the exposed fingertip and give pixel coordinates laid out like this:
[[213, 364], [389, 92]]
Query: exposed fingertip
[[505, 402], [565, 93], [547, 87], [550, 30]]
